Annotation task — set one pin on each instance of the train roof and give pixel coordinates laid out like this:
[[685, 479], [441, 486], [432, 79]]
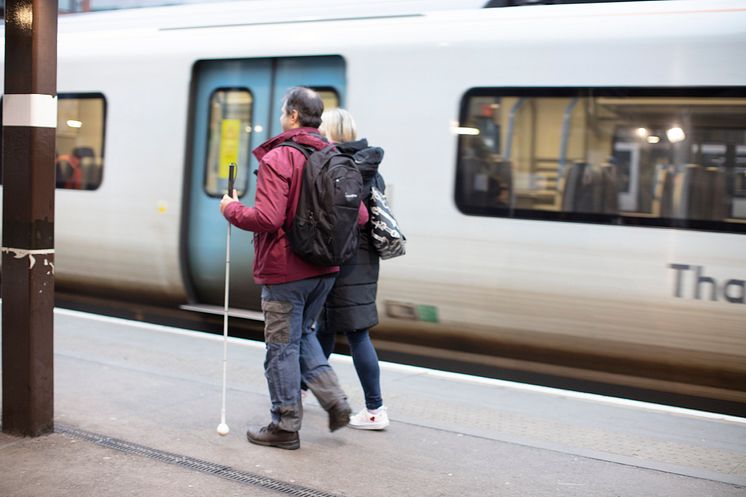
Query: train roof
[[252, 12], [272, 12], [259, 28]]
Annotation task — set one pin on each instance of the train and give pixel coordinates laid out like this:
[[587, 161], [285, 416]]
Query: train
[[571, 179]]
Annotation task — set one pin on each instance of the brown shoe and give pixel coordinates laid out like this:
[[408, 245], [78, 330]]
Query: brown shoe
[[339, 415], [272, 436]]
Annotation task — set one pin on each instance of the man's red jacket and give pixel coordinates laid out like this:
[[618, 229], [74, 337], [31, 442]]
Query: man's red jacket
[[277, 191]]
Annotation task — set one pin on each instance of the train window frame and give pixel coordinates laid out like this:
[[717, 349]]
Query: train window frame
[[245, 190], [509, 211], [104, 110]]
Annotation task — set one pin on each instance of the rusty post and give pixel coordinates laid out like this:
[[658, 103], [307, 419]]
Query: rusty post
[[29, 129]]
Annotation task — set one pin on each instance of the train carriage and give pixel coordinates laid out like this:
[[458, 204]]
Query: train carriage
[[571, 179]]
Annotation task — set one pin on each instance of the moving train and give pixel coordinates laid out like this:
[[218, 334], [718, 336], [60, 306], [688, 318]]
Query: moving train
[[571, 179]]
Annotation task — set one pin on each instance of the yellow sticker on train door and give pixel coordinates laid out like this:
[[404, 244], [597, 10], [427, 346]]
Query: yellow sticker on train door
[[230, 138]]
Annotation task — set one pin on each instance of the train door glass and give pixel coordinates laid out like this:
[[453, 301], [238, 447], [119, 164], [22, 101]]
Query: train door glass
[[329, 96], [229, 138], [236, 107]]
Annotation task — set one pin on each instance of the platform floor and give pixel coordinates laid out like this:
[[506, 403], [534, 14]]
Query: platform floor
[[136, 407]]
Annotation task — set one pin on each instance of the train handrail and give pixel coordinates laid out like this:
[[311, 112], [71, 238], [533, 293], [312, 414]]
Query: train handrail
[[565, 136], [511, 126]]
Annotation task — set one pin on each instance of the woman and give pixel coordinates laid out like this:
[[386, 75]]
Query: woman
[[350, 307]]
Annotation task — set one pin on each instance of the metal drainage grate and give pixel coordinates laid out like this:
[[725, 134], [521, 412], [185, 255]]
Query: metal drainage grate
[[191, 463]]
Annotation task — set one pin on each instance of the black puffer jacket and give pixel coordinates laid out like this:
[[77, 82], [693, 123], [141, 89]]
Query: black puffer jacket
[[351, 305]]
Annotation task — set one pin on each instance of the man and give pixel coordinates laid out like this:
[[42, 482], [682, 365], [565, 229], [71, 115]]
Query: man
[[293, 291]]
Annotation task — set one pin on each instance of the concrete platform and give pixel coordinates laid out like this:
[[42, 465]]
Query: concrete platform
[[137, 406]]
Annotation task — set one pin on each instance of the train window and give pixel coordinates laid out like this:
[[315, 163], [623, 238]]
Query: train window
[[79, 143], [79, 156], [229, 139], [659, 157]]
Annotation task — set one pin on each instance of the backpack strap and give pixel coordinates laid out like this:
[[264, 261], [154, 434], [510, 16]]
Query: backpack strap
[[306, 153], [297, 146]]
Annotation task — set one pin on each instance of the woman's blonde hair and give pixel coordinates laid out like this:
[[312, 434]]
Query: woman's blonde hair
[[338, 125]]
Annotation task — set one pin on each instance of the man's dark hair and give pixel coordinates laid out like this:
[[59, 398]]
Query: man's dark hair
[[308, 104]]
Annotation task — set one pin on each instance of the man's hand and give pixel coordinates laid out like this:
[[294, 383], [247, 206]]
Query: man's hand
[[227, 200]]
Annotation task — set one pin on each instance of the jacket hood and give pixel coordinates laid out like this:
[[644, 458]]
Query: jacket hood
[[366, 158], [303, 136]]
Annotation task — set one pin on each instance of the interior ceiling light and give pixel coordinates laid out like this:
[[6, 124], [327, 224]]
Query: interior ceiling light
[[460, 130], [675, 135]]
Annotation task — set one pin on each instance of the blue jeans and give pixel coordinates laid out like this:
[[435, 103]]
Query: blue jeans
[[293, 352], [364, 358]]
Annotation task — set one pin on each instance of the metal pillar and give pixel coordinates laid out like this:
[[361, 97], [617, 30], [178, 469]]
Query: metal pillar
[[29, 128]]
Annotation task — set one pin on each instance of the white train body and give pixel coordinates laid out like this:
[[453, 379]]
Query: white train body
[[600, 289]]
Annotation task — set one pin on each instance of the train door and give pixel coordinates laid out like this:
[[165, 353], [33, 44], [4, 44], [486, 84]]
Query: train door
[[236, 107]]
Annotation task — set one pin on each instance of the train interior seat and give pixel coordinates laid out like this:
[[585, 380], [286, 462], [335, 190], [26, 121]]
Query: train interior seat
[[503, 173], [78, 170], [717, 201], [568, 185], [90, 171], [65, 170], [690, 192], [585, 188], [720, 199], [700, 193], [663, 187], [609, 189]]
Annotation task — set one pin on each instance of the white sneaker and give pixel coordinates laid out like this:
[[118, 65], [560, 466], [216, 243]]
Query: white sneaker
[[366, 420]]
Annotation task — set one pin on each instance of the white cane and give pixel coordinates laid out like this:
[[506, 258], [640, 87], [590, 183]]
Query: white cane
[[223, 427]]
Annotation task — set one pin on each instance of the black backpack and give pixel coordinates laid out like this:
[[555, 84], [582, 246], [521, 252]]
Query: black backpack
[[324, 231]]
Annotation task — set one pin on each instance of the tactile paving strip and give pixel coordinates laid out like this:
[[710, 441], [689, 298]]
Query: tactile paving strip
[[218, 470]]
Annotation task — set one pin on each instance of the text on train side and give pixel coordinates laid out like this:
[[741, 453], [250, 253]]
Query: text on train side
[[702, 286]]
